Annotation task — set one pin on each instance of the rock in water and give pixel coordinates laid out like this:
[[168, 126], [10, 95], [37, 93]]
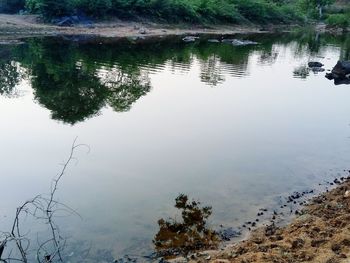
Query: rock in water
[[237, 42], [317, 69], [340, 73], [315, 64], [342, 69], [229, 233]]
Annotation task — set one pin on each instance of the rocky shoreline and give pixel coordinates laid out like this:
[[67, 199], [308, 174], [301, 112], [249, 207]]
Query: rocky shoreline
[[319, 233], [24, 26]]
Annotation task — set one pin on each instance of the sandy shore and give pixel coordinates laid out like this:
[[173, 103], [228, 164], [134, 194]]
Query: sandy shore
[[30, 25], [320, 233]]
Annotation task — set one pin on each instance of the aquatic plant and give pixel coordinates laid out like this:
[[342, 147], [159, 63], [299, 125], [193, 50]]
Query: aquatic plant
[[190, 234]]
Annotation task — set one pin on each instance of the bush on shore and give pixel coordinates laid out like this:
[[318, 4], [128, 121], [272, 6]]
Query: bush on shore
[[193, 11], [338, 20]]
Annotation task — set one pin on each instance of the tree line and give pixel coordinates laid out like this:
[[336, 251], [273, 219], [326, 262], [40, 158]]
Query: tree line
[[192, 11]]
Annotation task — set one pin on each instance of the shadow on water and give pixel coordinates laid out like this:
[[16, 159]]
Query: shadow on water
[[75, 80], [190, 234]]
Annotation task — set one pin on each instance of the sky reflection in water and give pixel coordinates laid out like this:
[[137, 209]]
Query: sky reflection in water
[[232, 126]]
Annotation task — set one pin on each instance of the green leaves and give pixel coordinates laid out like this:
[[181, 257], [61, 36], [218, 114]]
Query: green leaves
[[338, 20], [192, 11]]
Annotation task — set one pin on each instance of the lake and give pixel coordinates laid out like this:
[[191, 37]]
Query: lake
[[236, 127]]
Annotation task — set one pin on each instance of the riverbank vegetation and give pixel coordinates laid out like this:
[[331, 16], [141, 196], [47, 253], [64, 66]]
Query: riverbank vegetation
[[174, 11]]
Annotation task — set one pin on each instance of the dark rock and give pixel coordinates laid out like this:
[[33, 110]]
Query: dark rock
[[270, 230], [279, 237], [346, 242], [336, 248], [317, 69], [298, 243], [313, 64], [340, 73], [229, 233], [342, 68]]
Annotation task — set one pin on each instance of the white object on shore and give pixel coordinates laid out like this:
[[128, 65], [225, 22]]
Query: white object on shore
[[347, 194], [190, 38]]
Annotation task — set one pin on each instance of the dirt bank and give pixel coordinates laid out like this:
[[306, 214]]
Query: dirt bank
[[30, 25], [321, 233]]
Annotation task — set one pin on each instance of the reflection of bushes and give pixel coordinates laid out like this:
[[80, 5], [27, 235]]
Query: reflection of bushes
[[189, 234], [72, 86], [10, 76], [127, 90], [75, 81], [71, 95], [301, 72]]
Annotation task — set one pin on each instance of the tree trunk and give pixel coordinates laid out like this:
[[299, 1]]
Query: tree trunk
[[320, 11]]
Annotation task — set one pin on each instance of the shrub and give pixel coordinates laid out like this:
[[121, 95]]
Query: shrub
[[338, 20], [98, 8], [259, 11], [168, 10], [219, 10], [256, 11], [33, 6], [50, 8], [291, 14]]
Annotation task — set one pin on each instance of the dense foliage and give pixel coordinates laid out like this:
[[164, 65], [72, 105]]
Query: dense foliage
[[11, 6], [258, 11], [191, 11], [338, 20]]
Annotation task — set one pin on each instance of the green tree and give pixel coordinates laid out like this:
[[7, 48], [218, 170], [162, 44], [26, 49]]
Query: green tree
[[50, 8], [315, 5]]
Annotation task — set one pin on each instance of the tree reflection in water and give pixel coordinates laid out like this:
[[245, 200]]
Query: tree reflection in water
[[188, 235], [10, 76], [74, 81]]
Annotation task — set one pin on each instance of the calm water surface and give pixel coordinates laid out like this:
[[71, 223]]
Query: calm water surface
[[235, 127]]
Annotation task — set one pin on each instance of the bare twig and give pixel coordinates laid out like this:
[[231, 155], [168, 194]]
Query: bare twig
[[40, 208]]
